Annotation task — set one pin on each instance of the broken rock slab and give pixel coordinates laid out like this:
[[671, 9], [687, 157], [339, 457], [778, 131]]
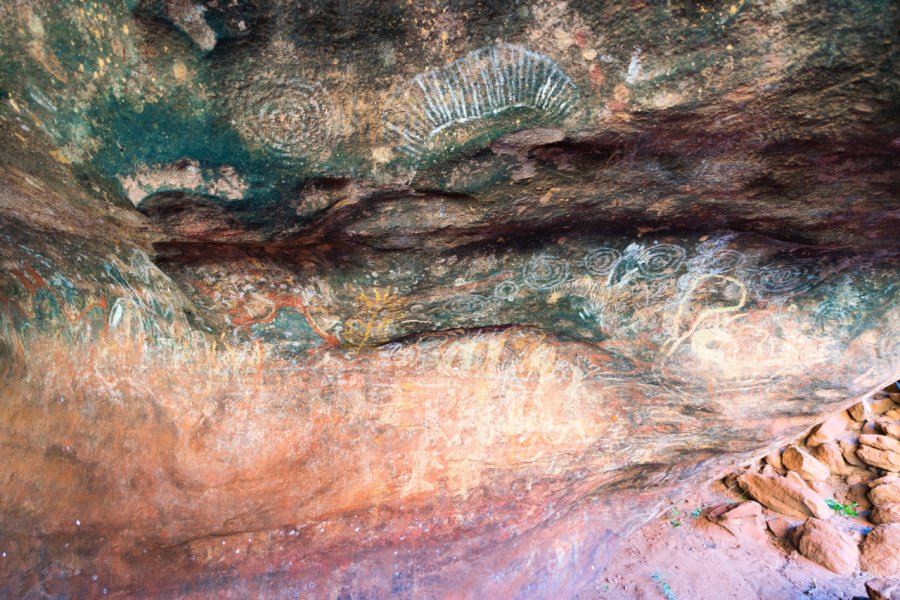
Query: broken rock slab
[[744, 520], [829, 454], [784, 496], [880, 451], [848, 451]]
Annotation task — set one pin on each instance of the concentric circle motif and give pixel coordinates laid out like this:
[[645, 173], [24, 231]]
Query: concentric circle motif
[[722, 261], [712, 245], [600, 261], [834, 314], [544, 272], [284, 113], [506, 291], [467, 304], [662, 260], [786, 278]]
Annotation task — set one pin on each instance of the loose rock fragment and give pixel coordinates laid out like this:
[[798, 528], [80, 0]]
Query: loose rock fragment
[[885, 490], [823, 543], [881, 442], [848, 450], [883, 589], [829, 454], [836, 425], [888, 426], [886, 513], [805, 465], [880, 451], [744, 520], [773, 459], [784, 496], [880, 552], [876, 406]]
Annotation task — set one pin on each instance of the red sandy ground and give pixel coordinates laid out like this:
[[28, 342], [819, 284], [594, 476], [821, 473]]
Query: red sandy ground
[[700, 560]]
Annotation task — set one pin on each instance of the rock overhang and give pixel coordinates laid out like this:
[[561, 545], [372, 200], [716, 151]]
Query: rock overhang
[[428, 298]]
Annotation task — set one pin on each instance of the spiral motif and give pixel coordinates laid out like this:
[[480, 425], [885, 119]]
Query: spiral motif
[[506, 291], [834, 314], [284, 113], [786, 278], [662, 260], [600, 261], [715, 263], [544, 272], [712, 245], [467, 303]]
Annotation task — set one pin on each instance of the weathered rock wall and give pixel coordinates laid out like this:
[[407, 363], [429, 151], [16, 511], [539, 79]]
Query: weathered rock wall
[[365, 299]]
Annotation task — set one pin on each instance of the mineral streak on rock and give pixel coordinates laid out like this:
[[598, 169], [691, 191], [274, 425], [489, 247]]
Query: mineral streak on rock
[[245, 353]]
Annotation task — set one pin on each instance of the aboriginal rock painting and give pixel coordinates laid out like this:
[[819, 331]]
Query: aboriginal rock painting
[[713, 305], [482, 87], [291, 116], [77, 295], [667, 301]]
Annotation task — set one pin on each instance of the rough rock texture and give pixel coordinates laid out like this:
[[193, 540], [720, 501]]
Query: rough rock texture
[[879, 550], [829, 454], [834, 427], [389, 299], [882, 588], [885, 490], [886, 513], [784, 495], [744, 520], [822, 542], [805, 465]]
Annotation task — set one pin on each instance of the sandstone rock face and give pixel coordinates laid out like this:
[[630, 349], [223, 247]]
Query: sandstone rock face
[[380, 299], [879, 550], [823, 543]]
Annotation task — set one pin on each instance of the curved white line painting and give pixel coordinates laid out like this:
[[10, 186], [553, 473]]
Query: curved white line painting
[[482, 84]]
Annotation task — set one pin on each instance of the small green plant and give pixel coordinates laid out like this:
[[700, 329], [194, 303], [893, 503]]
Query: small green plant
[[697, 512], [847, 510], [675, 517], [666, 590]]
